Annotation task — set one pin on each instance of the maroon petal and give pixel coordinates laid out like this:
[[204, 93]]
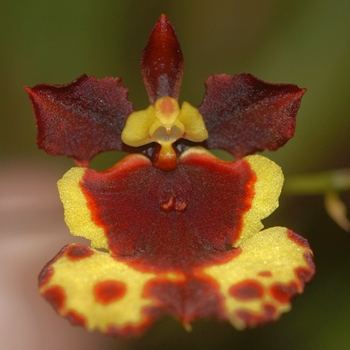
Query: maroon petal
[[162, 62], [244, 115], [82, 118]]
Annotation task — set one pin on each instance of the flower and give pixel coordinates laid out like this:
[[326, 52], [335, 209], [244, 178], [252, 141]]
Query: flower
[[181, 227]]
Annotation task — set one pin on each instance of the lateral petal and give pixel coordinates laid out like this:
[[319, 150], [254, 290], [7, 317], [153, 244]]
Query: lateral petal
[[82, 118], [244, 115]]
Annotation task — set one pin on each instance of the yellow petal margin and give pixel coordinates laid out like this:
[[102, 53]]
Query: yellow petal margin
[[79, 281], [258, 284], [76, 212], [267, 188]]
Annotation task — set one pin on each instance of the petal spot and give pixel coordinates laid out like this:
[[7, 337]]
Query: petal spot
[[305, 274], [45, 275], [109, 291], [56, 297], [265, 274], [75, 319], [298, 239], [252, 320], [283, 293], [77, 252], [247, 290]]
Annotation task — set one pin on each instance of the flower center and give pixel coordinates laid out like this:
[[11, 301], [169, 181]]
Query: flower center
[[164, 123]]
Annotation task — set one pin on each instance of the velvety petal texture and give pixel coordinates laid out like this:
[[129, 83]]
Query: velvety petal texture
[[147, 216], [82, 118], [168, 252], [244, 115], [162, 62]]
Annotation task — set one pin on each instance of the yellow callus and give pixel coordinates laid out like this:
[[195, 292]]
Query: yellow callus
[[164, 123]]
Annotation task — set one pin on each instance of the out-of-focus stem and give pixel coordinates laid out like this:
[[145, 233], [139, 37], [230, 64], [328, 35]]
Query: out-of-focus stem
[[318, 183]]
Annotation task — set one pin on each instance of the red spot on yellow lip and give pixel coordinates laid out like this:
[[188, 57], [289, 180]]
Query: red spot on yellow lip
[[298, 239], [77, 252], [108, 291], [247, 290], [252, 320], [305, 274], [47, 271], [56, 297], [284, 292], [265, 274], [45, 275], [75, 319]]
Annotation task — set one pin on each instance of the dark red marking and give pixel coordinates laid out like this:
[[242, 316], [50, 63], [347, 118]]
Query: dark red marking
[[247, 290], [56, 297], [244, 114], [78, 251], [283, 293], [75, 319], [125, 201], [188, 299], [132, 330], [108, 291], [162, 62], [265, 274], [47, 271], [45, 275], [82, 118], [305, 274], [253, 320], [298, 239]]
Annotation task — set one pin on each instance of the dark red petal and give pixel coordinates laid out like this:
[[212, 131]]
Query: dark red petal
[[82, 118], [149, 216], [244, 115], [162, 62]]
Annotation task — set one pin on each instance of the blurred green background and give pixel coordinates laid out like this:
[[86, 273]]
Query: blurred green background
[[304, 42]]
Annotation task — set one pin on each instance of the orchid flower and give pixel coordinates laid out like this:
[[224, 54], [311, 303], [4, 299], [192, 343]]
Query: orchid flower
[[180, 229]]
